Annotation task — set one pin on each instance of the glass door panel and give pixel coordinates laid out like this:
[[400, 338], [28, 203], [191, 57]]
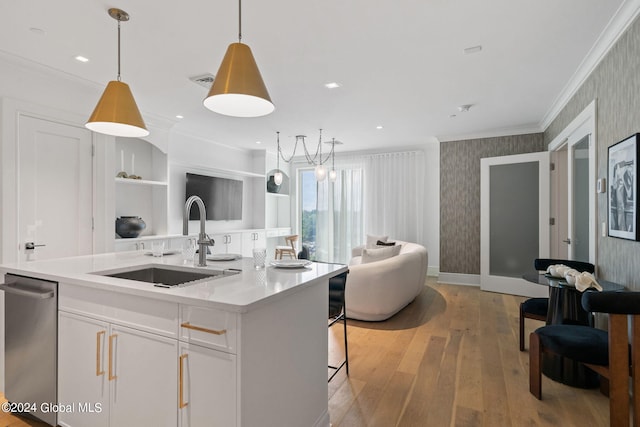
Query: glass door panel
[[579, 247]]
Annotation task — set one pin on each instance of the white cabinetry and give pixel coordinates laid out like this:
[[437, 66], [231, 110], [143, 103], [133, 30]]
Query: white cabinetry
[[251, 240], [131, 374], [230, 243], [82, 364], [208, 367], [208, 387]]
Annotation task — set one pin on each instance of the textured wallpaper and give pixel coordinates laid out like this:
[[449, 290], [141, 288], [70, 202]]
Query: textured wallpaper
[[615, 85], [460, 195]]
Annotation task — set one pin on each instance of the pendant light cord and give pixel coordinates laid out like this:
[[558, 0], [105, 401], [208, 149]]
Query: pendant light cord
[[239, 21], [310, 159], [118, 48]]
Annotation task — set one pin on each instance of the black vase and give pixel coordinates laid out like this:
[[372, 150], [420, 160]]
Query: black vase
[[272, 187], [129, 227]]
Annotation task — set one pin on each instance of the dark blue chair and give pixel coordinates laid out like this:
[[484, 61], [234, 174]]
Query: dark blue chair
[[606, 353], [537, 308]]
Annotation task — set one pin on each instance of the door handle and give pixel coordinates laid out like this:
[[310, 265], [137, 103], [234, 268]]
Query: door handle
[[32, 245], [567, 241], [181, 402], [12, 289], [111, 375], [99, 370]]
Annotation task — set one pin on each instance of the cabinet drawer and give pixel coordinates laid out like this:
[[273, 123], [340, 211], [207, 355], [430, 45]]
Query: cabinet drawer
[[146, 314], [208, 327]]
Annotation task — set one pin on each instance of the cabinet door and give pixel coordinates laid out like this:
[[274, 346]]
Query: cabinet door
[[208, 387], [253, 239], [82, 367], [234, 243], [122, 246], [144, 390], [228, 243]]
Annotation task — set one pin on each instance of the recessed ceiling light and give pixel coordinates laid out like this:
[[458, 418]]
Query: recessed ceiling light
[[472, 49], [179, 117], [81, 58], [332, 85], [451, 116], [38, 31], [464, 108], [258, 142], [378, 127]]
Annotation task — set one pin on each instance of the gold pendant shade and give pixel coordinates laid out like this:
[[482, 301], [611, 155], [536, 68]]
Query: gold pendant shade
[[117, 113], [238, 89]]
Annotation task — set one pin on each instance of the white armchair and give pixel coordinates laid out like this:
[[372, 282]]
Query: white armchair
[[378, 290]]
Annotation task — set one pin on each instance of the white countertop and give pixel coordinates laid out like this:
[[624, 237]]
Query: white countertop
[[241, 292]]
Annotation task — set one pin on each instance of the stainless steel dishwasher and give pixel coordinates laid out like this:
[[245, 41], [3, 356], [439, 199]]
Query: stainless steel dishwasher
[[31, 335]]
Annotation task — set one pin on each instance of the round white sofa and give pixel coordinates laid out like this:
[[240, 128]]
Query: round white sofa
[[378, 290]]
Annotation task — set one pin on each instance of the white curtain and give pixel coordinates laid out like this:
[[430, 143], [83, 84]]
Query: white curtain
[[394, 195], [339, 224], [374, 194]]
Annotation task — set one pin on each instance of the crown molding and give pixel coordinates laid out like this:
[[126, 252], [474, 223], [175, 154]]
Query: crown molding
[[496, 133], [619, 23]]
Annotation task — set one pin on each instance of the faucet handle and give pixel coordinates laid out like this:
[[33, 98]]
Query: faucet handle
[[206, 241]]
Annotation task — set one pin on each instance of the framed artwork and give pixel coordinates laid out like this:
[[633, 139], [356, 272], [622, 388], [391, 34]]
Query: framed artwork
[[623, 184]]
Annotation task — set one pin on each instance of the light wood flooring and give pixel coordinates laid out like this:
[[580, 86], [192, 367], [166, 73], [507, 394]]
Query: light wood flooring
[[450, 358]]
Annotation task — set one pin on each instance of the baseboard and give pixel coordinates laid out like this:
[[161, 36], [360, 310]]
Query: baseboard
[[323, 420], [459, 279], [433, 271]]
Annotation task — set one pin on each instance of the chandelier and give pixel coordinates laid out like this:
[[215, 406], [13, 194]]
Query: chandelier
[[316, 159]]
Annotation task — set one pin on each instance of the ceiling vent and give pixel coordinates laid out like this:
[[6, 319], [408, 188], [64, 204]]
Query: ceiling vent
[[204, 80]]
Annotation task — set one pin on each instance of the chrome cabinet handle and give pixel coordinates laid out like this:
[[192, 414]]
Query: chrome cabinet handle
[[32, 245]]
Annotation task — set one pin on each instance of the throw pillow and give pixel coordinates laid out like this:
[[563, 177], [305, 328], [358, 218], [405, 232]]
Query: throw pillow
[[381, 243], [373, 255], [371, 240]]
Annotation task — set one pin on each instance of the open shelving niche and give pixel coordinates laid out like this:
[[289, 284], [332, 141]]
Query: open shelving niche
[[146, 197]]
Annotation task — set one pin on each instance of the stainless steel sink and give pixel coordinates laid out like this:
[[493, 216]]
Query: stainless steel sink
[[168, 277]]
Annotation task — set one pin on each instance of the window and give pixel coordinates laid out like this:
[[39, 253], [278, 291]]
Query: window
[[308, 212]]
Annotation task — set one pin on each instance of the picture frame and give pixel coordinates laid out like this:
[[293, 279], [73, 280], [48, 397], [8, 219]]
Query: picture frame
[[622, 175]]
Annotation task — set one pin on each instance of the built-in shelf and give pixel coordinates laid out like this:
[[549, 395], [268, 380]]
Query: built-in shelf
[[277, 194], [140, 182]]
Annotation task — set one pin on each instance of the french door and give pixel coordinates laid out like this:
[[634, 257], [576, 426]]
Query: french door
[[514, 221]]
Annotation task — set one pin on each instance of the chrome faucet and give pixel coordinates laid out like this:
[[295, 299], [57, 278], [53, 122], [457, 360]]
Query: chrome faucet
[[203, 240]]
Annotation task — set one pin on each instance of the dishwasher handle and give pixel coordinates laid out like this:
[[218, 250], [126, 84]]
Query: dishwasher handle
[[13, 289]]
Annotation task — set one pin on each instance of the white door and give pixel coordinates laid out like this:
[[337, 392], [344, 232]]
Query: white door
[[208, 387], [145, 390], [82, 370], [514, 221], [581, 197], [55, 189], [576, 224]]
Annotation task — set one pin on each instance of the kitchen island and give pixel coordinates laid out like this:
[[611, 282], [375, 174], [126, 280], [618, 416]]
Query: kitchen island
[[247, 348]]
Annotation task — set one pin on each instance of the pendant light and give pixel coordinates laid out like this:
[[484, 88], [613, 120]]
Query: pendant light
[[277, 177], [238, 89], [117, 113], [320, 171], [332, 173]]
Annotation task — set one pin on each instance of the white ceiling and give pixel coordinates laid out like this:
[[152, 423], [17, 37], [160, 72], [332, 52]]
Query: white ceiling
[[401, 63]]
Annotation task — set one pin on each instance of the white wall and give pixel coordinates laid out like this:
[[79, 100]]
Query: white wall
[[189, 153]]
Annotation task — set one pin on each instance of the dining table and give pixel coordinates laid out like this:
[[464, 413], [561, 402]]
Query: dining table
[[565, 307]]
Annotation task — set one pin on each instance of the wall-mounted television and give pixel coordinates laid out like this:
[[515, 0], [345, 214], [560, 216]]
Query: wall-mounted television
[[222, 197]]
